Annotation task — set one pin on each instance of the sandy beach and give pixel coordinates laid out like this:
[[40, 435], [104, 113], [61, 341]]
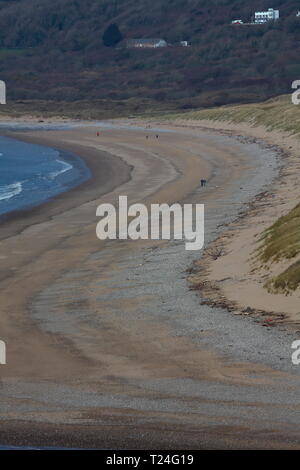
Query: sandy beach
[[237, 278], [108, 345]]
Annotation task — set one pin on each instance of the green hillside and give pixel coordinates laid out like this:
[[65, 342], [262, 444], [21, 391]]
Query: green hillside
[[53, 50]]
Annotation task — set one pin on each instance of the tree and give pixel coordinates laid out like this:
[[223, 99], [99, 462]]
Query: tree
[[112, 35]]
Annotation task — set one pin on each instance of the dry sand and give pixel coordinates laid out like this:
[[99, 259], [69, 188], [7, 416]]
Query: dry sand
[[107, 347], [237, 278]]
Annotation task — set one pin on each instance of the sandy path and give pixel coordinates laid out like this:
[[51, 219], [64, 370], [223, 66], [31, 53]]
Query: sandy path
[[106, 337]]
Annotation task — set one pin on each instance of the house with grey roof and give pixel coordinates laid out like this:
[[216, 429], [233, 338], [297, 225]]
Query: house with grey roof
[[146, 43]]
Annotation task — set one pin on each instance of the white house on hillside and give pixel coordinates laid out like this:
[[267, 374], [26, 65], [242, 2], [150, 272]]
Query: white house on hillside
[[265, 16], [146, 43]]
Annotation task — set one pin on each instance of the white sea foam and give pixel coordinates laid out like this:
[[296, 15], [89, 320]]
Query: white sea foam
[[8, 191], [65, 167]]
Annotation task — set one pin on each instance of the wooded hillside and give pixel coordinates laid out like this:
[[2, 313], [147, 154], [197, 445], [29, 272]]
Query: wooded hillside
[[53, 50]]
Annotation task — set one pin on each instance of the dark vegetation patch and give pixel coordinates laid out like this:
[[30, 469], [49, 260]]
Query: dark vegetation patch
[[54, 50]]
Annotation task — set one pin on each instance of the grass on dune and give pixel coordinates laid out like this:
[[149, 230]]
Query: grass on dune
[[275, 114], [282, 240], [287, 281]]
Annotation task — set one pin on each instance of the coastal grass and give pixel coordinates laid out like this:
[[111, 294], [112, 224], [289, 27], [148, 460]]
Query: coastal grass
[[83, 110], [275, 114], [286, 282], [282, 240]]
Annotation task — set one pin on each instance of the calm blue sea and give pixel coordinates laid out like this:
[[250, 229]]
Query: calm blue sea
[[31, 174]]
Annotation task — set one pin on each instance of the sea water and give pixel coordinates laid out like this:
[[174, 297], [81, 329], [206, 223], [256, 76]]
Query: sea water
[[32, 174]]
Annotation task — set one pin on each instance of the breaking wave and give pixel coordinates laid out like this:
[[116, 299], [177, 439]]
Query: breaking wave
[[10, 190], [65, 167]]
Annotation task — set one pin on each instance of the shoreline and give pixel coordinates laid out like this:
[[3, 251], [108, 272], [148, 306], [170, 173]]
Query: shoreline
[[68, 157], [115, 340], [104, 177]]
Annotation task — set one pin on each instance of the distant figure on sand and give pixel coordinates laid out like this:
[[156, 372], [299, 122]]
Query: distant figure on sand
[[203, 183]]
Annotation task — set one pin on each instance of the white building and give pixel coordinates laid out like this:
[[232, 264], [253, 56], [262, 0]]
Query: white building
[[146, 43], [265, 16]]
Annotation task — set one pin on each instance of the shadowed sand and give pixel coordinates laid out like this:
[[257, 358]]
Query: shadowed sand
[[105, 342]]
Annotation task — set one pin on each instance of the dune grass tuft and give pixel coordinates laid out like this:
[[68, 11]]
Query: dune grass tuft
[[282, 240], [287, 281]]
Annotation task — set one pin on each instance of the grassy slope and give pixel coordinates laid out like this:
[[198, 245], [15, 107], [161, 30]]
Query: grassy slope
[[282, 240], [277, 113]]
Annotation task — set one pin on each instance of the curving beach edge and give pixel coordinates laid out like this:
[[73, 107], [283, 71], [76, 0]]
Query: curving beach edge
[[109, 347]]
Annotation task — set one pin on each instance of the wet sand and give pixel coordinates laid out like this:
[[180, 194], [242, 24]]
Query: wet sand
[[107, 346]]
